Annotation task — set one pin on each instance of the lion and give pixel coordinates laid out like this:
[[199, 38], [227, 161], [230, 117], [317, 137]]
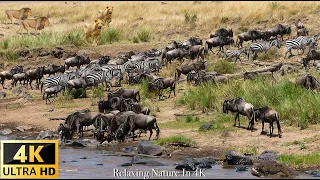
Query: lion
[[94, 31], [21, 14], [38, 24], [106, 15]]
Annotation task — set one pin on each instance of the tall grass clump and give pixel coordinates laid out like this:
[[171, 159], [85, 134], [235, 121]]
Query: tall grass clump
[[300, 161], [294, 105], [190, 18], [224, 67], [111, 35], [182, 140], [75, 37], [144, 35], [98, 92]]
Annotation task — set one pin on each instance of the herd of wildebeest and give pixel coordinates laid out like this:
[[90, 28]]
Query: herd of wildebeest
[[120, 115]]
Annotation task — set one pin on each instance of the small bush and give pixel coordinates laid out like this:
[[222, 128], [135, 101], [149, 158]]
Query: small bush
[[98, 92], [188, 18], [74, 38], [5, 44], [224, 19], [224, 67], [135, 39], [144, 35], [111, 35]]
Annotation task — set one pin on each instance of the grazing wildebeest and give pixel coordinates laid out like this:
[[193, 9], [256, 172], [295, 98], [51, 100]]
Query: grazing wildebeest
[[252, 35], [118, 120], [76, 61], [196, 51], [34, 74], [279, 29], [18, 77], [64, 132], [307, 81], [161, 84], [268, 115], [217, 41], [52, 91], [179, 53], [9, 74], [302, 32], [239, 106], [222, 32], [185, 69], [77, 84], [139, 121], [254, 75], [299, 24], [126, 93]]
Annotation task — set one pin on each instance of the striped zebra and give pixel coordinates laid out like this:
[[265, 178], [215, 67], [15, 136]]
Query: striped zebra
[[104, 76], [61, 79], [300, 43], [236, 53], [263, 46]]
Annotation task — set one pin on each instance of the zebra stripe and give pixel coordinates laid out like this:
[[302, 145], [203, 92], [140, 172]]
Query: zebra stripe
[[300, 43], [263, 46], [235, 53], [61, 79], [99, 76]]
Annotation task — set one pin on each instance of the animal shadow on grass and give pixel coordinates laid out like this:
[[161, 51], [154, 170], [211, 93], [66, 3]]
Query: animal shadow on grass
[[246, 128], [266, 133]]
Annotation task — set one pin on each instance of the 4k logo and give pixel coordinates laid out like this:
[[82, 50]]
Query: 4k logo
[[29, 159]]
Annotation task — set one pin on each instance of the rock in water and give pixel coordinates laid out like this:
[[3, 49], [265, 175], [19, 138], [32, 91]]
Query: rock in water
[[191, 164], [205, 127], [237, 158], [268, 156], [128, 149], [126, 164], [241, 168], [6, 131], [48, 134], [274, 169], [146, 147]]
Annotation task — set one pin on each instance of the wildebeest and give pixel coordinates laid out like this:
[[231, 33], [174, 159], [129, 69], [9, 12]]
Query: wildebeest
[[64, 132], [52, 91], [217, 41], [77, 84], [192, 42], [268, 115], [163, 83], [299, 24], [104, 106], [118, 120], [196, 51], [9, 74], [254, 75], [76, 61], [126, 93], [179, 53], [222, 32], [138, 108], [34, 74], [312, 55], [139, 121], [302, 32], [101, 60], [239, 106], [185, 69], [78, 120], [252, 35], [279, 29], [18, 77], [307, 81]]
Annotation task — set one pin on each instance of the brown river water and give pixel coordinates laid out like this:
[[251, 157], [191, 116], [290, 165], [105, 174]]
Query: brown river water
[[78, 163]]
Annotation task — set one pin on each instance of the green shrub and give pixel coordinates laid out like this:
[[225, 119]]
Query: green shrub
[[225, 67], [144, 35], [74, 38], [98, 92], [188, 142], [224, 19], [135, 39], [111, 35]]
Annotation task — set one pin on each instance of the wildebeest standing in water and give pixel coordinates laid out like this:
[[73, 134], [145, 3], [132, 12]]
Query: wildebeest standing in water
[[268, 115], [239, 106]]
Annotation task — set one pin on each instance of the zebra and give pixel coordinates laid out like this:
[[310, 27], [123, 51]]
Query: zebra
[[236, 53], [263, 46], [300, 43], [61, 79], [102, 76]]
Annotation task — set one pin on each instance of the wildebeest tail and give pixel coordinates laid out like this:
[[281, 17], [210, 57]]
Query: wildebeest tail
[[206, 49], [157, 128], [138, 96]]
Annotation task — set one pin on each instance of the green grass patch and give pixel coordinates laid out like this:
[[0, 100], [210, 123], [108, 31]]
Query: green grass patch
[[249, 150], [294, 105], [111, 35], [270, 55], [300, 161], [185, 141], [224, 67], [14, 106], [144, 35]]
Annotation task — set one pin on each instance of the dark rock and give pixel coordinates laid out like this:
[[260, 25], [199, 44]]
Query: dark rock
[[73, 161], [6, 131], [191, 164], [100, 164], [3, 94], [241, 168], [48, 134], [83, 158], [146, 147], [274, 169], [237, 158], [128, 149], [126, 164], [75, 144], [268, 156], [63, 161], [210, 160], [138, 160], [205, 127], [313, 173]]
